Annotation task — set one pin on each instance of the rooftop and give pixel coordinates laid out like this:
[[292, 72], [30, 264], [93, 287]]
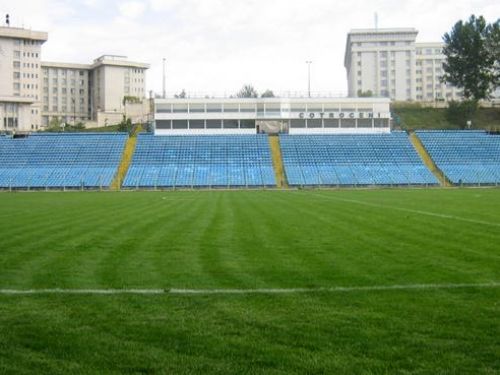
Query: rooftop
[[117, 60], [20, 33]]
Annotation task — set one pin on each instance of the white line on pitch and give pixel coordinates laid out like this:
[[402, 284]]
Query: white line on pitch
[[378, 205], [338, 289]]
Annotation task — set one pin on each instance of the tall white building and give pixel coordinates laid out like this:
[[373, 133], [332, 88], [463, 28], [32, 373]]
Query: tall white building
[[389, 63], [33, 92], [80, 93], [20, 67]]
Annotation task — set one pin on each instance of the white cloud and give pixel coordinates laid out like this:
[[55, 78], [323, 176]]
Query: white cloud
[[131, 9], [217, 45]]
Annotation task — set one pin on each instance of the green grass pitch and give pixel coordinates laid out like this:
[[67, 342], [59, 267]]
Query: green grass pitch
[[251, 240]]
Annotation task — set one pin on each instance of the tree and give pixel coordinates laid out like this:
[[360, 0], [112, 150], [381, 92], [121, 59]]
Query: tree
[[125, 125], [181, 95], [493, 47], [461, 112], [131, 99], [267, 94], [470, 64], [55, 125], [365, 94], [247, 91]]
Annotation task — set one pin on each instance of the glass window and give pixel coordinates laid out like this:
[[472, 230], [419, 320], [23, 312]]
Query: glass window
[[364, 123], [196, 108], [179, 124], [247, 107], [348, 123], [230, 108], [163, 108], [214, 107], [331, 123], [298, 123], [314, 124], [214, 124], [381, 123], [273, 108], [196, 124], [314, 108], [180, 108], [247, 124], [298, 107], [230, 124], [163, 124]]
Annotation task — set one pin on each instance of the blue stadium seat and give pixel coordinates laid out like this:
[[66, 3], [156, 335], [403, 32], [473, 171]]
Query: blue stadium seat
[[464, 156], [348, 159], [201, 161], [55, 160]]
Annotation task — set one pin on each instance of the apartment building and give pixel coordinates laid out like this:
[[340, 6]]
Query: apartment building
[[20, 65], [390, 63], [76, 93], [33, 92], [428, 73]]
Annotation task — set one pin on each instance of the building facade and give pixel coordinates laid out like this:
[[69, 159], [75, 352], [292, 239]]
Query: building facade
[[20, 67], [271, 115], [33, 93], [75, 93], [389, 63]]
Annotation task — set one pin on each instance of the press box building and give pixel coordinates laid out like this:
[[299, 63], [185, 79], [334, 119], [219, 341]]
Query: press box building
[[213, 116]]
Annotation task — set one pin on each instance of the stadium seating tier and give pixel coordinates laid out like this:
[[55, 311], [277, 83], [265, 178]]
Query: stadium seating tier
[[465, 157], [55, 160], [201, 161], [367, 159]]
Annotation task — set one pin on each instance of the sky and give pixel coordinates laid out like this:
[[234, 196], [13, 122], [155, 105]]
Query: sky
[[216, 46]]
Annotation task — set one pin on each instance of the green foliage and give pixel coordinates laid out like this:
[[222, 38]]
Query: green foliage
[[181, 95], [472, 58], [131, 99], [251, 239], [267, 94], [414, 116], [56, 126], [461, 112], [247, 91], [365, 94], [125, 125], [493, 47]]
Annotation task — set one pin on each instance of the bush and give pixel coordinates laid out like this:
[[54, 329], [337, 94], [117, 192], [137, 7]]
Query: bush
[[461, 112]]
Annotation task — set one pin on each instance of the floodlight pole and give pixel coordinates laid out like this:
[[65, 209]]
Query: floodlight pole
[[309, 77], [164, 83]]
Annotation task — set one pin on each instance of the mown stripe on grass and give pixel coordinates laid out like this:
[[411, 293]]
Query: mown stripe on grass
[[410, 210], [338, 289]]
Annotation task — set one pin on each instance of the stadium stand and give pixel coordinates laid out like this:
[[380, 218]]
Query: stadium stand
[[201, 161], [365, 159], [55, 160], [465, 156]]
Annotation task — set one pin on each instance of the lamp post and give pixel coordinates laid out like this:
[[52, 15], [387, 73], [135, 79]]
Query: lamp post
[[164, 83], [309, 77], [74, 111]]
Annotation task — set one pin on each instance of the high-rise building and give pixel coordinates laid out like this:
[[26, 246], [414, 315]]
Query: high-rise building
[[389, 63], [20, 66], [33, 92]]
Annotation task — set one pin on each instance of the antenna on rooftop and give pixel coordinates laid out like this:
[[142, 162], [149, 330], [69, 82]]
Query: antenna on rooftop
[[376, 21]]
